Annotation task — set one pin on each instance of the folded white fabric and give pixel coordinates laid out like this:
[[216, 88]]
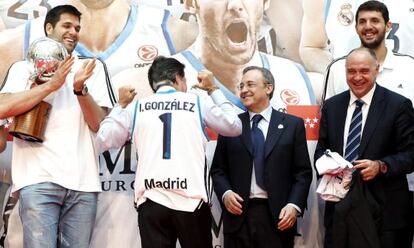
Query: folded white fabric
[[334, 187], [337, 176], [331, 162]]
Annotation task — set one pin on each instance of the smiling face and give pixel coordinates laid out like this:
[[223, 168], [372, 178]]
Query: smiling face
[[371, 28], [254, 91], [66, 31], [229, 27], [361, 72]]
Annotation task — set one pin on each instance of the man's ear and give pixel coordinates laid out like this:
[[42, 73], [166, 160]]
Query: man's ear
[[48, 28], [388, 26], [269, 89], [266, 4]]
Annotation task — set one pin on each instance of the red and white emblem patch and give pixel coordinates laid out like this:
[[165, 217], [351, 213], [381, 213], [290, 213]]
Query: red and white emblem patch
[[290, 97], [147, 52]]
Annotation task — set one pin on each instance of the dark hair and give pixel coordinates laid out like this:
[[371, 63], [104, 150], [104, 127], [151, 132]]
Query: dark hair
[[53, 15], [267, 76], [374, 6], [164, 69]]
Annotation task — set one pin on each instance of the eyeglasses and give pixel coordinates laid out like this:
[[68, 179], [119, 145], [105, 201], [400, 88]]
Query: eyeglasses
[[248, 85]]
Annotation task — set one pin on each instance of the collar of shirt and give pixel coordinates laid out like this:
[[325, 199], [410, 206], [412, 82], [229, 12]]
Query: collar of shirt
[[165, 88], [366, 99], [388, 61], [266, 113]]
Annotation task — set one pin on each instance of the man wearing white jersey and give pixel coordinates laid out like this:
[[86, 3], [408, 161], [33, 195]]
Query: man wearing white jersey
[[57, 181], [171, 185], [328, 30]]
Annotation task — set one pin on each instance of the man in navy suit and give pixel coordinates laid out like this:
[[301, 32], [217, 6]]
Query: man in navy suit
[[385, 151], [263, 184]]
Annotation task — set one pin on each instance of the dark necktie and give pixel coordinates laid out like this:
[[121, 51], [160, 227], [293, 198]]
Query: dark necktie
[[258, 148], [354, 135]]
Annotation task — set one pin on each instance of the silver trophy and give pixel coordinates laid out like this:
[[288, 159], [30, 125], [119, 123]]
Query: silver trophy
[[45, 54]]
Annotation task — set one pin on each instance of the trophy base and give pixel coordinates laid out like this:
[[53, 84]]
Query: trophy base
[[26, 137], [31, 125]]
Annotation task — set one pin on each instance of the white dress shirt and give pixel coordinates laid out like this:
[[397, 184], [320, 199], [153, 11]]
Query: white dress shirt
[[367, 99]]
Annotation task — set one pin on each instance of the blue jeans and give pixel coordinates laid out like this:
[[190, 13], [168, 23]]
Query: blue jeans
[[53, 216]]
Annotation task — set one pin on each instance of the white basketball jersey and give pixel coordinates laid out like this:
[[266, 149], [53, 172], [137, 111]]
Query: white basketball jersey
[[340, 25], [167, 125]]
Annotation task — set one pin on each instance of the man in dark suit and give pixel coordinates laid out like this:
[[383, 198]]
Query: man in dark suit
[[384, 149], [262, 180]]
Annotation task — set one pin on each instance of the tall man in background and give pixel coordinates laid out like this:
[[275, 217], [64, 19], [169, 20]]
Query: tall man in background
[[328, 30]]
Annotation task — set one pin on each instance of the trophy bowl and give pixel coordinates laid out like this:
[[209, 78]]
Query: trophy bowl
[[44, 55]]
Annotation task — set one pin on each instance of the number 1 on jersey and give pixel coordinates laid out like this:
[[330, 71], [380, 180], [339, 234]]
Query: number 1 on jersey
[[166, 140]]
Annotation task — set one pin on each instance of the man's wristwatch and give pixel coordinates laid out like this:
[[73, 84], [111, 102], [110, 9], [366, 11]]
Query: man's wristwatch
[[82, 92], [383, 168]]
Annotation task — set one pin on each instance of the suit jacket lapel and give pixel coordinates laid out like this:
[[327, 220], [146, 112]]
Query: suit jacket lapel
[[245, 136], [339, 120], [276, 128], [374, 115]]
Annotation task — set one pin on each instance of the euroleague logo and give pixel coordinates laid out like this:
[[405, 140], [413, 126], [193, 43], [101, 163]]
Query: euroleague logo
[[147, 52], [290, 97]]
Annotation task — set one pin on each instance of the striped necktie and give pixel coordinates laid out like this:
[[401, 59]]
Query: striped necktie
[[354, 135]]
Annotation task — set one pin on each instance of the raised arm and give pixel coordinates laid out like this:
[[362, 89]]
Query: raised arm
[[219, 114], [116, 128], [93, 114]]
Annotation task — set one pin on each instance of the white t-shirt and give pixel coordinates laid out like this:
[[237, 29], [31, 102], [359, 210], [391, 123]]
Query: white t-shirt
[[67, 156]]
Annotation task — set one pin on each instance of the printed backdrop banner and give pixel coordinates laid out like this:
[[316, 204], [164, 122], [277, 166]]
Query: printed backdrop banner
[[127, 35]]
